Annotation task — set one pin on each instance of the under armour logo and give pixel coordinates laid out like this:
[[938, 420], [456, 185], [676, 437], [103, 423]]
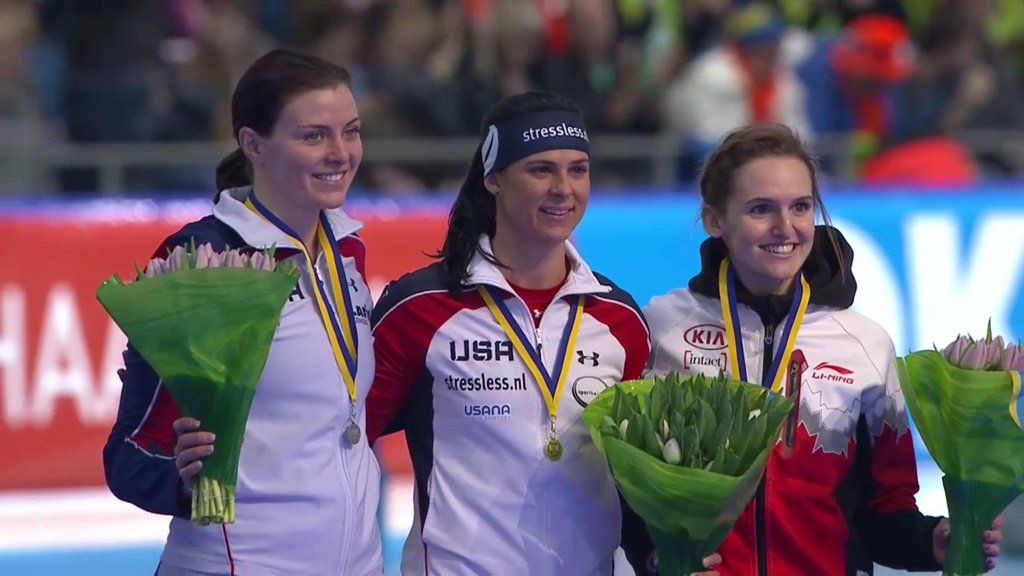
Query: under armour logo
[[583, 358], [536, 313], [352, 283]]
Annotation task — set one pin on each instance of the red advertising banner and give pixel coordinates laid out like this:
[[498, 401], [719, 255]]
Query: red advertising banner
[[59, 351]]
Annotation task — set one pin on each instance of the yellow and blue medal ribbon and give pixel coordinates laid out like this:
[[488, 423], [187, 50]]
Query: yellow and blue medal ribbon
[[730, 315], [341, 332], [550, 385], [1016, 398]]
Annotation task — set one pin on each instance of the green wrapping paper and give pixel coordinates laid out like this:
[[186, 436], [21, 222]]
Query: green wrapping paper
[[207, 333], [970, 422], [688, 511]]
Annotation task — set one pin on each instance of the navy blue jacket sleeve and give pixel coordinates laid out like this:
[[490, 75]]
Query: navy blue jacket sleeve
[[138, 458]]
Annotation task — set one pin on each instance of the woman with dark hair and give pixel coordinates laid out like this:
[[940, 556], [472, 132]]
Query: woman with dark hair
[[308, 482], [776, 290], [487, 358]]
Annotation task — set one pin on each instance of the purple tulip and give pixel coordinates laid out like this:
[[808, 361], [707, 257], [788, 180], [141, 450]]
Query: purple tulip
[[996, 351], [203, 255], [975, 357], [1013, 358], [954, 353]]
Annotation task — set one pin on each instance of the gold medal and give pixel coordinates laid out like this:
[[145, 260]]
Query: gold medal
[[553, 449], [550, 385], [352, 433]]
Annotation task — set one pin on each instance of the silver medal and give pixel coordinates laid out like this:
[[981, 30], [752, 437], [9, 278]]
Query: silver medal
[[352, 433]]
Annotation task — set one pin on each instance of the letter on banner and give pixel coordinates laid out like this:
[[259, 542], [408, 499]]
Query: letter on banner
[[879, 296], [951, 295]]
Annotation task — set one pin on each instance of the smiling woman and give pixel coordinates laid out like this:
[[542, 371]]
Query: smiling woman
[[297, 127], [299, 139], [507, 479], [771, 305]]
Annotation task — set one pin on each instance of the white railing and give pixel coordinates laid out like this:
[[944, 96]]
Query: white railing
[[659, 152]]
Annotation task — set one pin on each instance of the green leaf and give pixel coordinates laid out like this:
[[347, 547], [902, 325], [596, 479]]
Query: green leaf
[[757, 439], [718, 462], [608, 427], [617, 414], [709, 428], [652, 445], [691, 442], [635, 432], [656, 404], [725, 418], [731, 466]]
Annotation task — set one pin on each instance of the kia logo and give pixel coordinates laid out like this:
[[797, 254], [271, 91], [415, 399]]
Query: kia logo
[[706, 337]]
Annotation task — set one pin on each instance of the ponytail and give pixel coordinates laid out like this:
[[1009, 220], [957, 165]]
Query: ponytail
[[232, 172], [472, 215]]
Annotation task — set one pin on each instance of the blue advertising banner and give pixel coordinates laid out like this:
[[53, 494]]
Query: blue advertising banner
[[929, 265]]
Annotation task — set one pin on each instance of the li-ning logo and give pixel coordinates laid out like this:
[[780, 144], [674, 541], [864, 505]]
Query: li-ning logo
[[583, 358], [555, 131], [832, 373]]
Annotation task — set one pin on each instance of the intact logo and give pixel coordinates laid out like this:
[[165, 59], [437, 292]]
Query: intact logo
[[586, 388], [488, 411], [695, 360], [585, 359], [706, 337], [832, 373]]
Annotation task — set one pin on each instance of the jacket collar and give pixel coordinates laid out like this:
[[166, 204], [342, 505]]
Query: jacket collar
[[580, 280], [258, 233]]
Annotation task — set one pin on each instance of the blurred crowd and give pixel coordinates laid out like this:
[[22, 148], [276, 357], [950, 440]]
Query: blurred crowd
[[928, 90]]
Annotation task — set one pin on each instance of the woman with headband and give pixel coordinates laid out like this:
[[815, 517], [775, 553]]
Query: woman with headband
[[487, 358], [771, 305], [308, 483]]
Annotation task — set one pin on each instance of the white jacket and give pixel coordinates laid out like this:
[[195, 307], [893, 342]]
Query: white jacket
[[306, 500]]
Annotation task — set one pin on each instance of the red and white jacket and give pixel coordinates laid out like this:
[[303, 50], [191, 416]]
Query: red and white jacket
[[838, 493], [487, 499]]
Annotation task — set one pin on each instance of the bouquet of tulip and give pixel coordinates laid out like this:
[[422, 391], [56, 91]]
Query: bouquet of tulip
[[687, 453], [967, 405], [204, 321]]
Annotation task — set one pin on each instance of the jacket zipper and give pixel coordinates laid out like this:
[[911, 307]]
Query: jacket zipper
[[759, 500]]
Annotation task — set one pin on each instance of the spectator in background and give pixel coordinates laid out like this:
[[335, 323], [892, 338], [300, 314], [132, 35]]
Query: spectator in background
[[23, 129], [741, 81], [219, 40], [112, 53], [586, 67], [703, 24], [962, 83], [855, 78]]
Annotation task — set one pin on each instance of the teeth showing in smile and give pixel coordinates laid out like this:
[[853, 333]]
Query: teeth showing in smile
[[779, 248], [555, 211], [329, 178]]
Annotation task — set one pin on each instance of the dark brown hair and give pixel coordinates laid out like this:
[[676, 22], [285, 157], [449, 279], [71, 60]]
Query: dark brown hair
[[475, 210], [744, 145], [260, 95]]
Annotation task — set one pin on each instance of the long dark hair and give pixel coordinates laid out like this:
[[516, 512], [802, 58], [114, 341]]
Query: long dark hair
[[474, 211], [262, 91]]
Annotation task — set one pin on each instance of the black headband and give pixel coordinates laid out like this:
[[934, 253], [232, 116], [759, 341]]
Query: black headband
[[520, 136]]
